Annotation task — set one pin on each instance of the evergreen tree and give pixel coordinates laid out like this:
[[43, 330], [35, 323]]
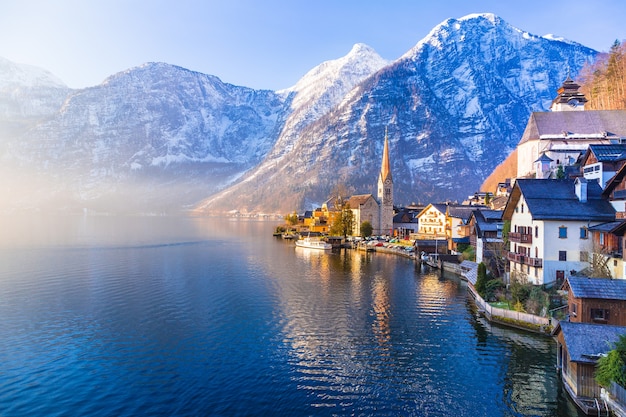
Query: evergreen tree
[[481, 279]]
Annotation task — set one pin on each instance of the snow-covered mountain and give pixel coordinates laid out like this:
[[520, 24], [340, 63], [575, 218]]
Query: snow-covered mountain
[[455, 105], [160, 137]]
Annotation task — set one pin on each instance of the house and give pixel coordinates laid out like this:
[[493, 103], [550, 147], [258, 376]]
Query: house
[[579, 346], [485, 228], [601, 162], [405, 223], [561, 136], [607, 249], [596, 300], [378, 211], [457, 219], [549, 221], [432, 222]]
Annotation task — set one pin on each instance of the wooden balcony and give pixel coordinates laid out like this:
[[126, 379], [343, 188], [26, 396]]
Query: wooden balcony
[[520, 237], [524, 260]]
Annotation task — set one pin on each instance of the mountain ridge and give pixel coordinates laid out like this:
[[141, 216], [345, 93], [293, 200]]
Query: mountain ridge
[[165, 138]]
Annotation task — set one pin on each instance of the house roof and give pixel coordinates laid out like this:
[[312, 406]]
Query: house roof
[[585, 342], [616, 227], [462, 212], [597, 288], [552, 199], [614, 181], [572, 125], [487, 220], [606, 153]]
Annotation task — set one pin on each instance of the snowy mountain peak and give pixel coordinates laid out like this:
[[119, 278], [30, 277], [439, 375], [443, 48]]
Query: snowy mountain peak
[[361, 60], [22, 75]]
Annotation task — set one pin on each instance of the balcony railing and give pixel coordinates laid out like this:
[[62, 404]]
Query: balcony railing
[[520, 237], [524, 260]]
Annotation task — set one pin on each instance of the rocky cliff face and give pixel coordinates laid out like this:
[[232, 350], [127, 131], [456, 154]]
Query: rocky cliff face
[[159, 137]]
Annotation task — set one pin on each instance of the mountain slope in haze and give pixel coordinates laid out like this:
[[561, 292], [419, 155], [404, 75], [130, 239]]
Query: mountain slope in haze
[[156, 136], [454, 105]]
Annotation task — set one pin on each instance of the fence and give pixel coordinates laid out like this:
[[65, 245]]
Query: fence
[[618, 393], [509, 314]]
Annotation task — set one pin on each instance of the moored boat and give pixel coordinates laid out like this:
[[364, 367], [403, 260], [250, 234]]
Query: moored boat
[[313, 243]]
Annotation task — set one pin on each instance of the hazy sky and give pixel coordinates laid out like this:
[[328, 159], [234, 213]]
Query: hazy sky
[[261, 43]]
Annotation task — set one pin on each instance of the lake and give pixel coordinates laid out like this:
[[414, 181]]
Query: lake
[[177, 316]]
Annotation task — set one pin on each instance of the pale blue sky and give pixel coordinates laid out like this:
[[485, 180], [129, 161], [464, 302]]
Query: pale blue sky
[[261, 44]]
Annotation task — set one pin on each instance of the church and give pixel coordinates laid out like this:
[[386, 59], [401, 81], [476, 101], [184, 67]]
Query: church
[[378, 211], [562, 135]]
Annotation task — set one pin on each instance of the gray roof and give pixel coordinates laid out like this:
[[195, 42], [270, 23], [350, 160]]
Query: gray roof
[[462, 212], [487, 220], [606, 227], [580, 123], [586, 341], [608, 153], [601, 288], [470, 271], [550, 199]]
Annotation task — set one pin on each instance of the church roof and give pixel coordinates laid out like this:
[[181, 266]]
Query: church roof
[[358, 200], [385, 170], [572, 125]]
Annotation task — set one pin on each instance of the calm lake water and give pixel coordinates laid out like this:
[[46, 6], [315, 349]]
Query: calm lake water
[[162, 316]]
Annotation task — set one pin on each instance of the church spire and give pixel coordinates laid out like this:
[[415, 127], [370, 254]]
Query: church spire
[[385, 170]]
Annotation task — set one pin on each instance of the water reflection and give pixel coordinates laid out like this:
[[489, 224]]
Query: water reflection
[[209, 316]]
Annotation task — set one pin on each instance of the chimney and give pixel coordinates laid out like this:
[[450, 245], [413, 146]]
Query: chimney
[[580, 185]]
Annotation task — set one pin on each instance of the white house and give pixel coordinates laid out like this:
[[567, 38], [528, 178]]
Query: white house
[[549, 222]]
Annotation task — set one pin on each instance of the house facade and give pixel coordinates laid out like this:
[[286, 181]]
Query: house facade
[[549, 221], [485, 228]]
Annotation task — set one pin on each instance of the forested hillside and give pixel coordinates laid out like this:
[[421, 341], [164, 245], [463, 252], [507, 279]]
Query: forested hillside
[[604, 82], [604, 85]]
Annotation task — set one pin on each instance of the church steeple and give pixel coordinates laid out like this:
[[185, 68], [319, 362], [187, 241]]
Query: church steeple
[[385, 191], [385, 170]]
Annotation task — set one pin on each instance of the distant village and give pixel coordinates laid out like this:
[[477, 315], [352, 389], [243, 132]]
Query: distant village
[[558, 226]]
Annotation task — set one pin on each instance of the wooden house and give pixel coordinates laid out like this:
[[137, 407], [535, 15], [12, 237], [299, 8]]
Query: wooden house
[[579, 346], [596, 300]]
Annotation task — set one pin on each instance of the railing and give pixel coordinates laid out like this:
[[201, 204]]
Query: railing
[[510, 314], [520, 237], [618, 393], [525, 260]]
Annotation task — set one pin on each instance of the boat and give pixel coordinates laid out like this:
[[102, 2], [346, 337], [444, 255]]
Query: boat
[[313, 243]]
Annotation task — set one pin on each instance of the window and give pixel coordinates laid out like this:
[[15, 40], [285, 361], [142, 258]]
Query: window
[[522, 208], [600, 314], [536, 231], [562, 232], [601, 238], [562, 255], [583, 233], [573, 309]]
